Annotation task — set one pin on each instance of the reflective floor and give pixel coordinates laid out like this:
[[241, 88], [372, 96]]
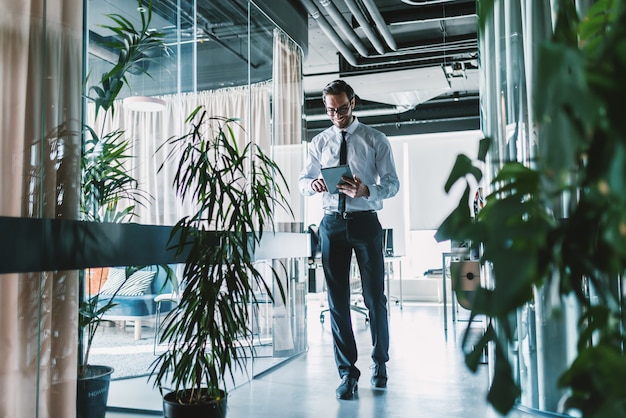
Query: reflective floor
[[427, 376]]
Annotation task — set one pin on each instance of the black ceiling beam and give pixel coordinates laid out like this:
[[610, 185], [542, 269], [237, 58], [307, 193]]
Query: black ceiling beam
[[431, 12], [435, 116]]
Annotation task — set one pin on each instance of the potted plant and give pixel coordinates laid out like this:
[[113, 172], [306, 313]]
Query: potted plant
[[93, 383], [527, 246], [234, 191], [109, 192]]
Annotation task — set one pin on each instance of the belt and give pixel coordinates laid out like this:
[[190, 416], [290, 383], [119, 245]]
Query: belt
[[348, 215]]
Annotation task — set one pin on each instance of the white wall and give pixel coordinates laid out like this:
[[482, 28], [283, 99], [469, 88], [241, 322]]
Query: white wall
[[424, 163], [431, 159]]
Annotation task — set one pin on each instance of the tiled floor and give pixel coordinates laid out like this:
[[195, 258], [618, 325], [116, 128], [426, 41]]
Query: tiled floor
[[427, 377]]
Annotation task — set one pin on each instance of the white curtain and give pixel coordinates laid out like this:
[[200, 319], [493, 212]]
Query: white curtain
[[40, 108], [149, 130], [288, 96]]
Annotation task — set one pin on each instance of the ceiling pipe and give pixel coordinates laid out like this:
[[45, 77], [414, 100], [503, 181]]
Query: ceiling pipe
[[395, 57], [337, 17], [381, 25], [432, 19], [400, 56], [329, 31], [365, 25], [382, 111]]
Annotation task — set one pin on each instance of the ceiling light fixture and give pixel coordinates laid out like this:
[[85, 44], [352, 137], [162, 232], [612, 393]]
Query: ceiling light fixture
[[144, 104]]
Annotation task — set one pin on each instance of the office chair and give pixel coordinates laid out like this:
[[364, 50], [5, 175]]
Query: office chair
[[356, 295], [315, 257], [465, 280]]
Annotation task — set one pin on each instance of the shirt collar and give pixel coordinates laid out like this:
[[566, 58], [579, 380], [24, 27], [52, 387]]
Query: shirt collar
[[350, 129]]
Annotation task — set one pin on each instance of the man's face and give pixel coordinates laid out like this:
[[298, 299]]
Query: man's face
[[339, 109]]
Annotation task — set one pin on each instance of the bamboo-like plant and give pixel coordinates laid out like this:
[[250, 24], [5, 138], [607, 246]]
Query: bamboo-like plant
[[109, 192], [579, 90], [234, 192]]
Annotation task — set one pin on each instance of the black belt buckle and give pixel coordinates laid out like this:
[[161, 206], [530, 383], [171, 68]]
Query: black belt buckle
[[347, 215]]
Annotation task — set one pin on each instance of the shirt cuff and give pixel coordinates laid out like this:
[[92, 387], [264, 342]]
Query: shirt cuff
[[373, 192]]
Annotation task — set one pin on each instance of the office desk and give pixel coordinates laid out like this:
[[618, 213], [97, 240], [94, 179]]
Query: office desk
[[390, 262]]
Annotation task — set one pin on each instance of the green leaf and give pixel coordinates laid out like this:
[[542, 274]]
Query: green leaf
[[564, 118], [462, 167], [483, 148], [503, 392], [474, 356], [616, 170], [456, 224], [566, 28], [592, 28], [596, 377]]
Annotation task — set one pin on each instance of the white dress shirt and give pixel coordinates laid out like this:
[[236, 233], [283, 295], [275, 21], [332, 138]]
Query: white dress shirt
[[369, 156]]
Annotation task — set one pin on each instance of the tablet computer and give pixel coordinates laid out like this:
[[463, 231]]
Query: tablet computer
[[332, 176]]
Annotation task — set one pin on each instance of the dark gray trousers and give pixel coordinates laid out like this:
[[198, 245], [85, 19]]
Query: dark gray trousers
[[339, 237]]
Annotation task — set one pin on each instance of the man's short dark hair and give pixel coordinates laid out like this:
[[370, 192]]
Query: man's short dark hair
[[337, 87]]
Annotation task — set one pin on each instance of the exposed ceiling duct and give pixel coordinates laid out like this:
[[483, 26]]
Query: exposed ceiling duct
[[330, 33], [407, 88], [414, 51], [364, 23], [381, 25], [337, 17], [403, 89], [363, 113]]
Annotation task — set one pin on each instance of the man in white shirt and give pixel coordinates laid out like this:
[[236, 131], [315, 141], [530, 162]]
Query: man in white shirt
[[350, 224]]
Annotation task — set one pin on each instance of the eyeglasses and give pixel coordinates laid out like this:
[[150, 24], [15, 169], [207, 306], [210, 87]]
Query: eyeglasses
[[343, 110]]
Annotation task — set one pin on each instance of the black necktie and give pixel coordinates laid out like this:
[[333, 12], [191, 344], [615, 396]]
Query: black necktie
[[343, 157]]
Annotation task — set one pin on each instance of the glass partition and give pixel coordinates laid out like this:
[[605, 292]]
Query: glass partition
[[231, 58], [60, 76]]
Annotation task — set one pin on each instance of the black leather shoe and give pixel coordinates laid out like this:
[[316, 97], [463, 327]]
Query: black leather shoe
[[379, 375], [347, 388]]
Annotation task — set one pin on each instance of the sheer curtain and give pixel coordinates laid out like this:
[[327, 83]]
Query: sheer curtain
[[288, 96], [40, 80], [149, 130]]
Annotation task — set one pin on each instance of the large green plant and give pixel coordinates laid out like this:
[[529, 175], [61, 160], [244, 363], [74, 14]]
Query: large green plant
[[234, 191], [523, 239], [109, 193]]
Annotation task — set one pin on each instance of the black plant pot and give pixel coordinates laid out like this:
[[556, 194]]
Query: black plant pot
[[93, 392], [211, 408]]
